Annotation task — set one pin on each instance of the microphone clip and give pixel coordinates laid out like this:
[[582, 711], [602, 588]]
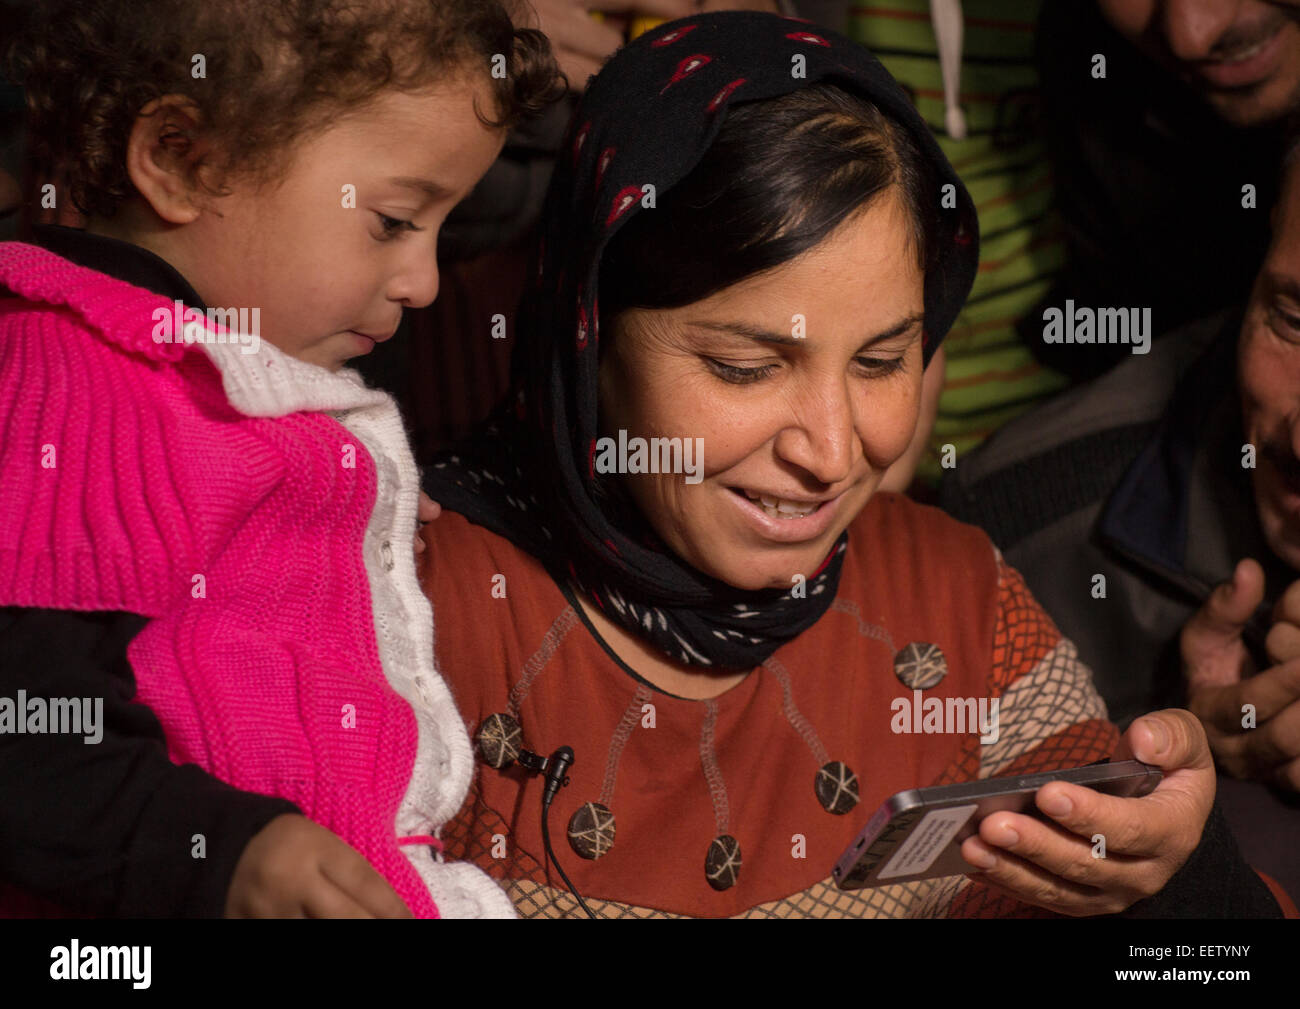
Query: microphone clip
[[530, 761], [554, 767]]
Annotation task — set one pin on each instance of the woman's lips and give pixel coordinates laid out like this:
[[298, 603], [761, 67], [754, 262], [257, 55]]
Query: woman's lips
[[1248, 68], [797, 529]]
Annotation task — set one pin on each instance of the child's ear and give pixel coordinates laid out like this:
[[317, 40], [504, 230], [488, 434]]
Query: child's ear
[[161, 155]]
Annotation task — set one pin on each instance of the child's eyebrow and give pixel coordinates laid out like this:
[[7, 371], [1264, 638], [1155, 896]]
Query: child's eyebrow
[[426, 186]]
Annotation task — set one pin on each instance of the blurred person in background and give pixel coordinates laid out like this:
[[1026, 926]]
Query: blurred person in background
[[1154, 512], [1166, 167]]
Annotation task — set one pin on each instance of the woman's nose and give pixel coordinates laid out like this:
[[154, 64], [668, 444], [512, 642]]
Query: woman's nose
[[1193, 28], [820, 435]]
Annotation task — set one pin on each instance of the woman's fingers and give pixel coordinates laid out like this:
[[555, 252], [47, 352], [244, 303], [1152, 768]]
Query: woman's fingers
[[1079, 860], [1032, 884], [1132, 826]]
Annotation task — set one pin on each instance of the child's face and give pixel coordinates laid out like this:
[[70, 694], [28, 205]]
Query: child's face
[[333, 252]]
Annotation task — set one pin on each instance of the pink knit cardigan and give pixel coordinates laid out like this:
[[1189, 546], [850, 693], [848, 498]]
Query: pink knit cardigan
[[131, 483]]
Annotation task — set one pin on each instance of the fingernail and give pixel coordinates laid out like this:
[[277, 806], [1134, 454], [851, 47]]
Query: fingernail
[[1005, 837], [984, 859], [1159, 737], [1057, 805]]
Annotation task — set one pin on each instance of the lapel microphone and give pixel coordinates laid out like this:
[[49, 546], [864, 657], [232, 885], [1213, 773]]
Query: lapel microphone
[[499, 740], [554, 767]]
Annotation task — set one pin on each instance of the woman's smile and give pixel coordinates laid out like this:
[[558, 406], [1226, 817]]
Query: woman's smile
[[785, 519]]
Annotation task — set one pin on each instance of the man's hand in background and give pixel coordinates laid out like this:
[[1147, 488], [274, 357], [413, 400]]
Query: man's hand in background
[[1221, 681], [583, 44]]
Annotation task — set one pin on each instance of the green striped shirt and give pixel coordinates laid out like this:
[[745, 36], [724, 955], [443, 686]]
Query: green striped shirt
[[992, 375]]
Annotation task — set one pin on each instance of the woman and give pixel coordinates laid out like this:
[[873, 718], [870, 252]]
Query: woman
[[750, 252]]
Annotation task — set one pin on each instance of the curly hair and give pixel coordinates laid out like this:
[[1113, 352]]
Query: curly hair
[[261, 74]]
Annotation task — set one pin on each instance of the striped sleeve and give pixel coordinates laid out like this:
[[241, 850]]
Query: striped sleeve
[[1049, 716], [1049, 713]]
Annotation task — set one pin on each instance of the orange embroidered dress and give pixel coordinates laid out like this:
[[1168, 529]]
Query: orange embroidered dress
[[674, 774]]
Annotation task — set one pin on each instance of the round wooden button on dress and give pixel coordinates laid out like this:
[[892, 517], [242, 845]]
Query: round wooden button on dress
[[836, 787], [591, 830], [920, 665], [722, 864], [499, 739]]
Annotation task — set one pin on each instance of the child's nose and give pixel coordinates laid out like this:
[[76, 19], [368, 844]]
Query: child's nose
[[417, 285]]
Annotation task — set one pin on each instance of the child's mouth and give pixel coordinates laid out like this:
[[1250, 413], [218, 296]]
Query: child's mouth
[[364, 344]]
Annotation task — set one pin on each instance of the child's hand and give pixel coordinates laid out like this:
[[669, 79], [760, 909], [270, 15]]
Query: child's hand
[[294, 868], [426, 511]]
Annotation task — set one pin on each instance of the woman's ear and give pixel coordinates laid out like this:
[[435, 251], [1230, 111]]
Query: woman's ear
[[162, 156]]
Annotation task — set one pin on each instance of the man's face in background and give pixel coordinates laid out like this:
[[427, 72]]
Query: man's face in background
[[1241, 56], [1268, 367]]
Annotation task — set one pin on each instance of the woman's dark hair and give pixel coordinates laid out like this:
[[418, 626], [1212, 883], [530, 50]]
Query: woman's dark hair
[[780, 176], [271, 72]]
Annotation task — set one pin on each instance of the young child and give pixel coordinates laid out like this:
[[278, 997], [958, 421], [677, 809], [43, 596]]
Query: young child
[[199, 502]]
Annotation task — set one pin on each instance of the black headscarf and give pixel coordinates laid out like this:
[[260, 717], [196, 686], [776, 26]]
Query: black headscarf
[[527, 475]]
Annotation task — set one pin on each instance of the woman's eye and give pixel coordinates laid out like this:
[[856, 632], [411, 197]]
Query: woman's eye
[[874, 367], [739, 376], [880, 366], [394, 225]]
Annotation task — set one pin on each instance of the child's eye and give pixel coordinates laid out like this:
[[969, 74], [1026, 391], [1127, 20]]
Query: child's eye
[[739, 376], [394, 225]]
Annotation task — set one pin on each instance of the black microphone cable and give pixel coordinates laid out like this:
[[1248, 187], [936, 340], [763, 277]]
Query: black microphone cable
[[554, 767]]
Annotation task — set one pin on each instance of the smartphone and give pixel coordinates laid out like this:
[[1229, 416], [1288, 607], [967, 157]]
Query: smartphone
[[917, 834]]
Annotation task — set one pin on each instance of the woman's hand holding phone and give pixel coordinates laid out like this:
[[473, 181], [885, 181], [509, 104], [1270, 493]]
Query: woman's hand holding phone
[[1147, 839]]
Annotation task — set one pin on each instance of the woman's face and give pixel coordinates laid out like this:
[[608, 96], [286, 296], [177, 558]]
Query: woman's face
[[802, 385]]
